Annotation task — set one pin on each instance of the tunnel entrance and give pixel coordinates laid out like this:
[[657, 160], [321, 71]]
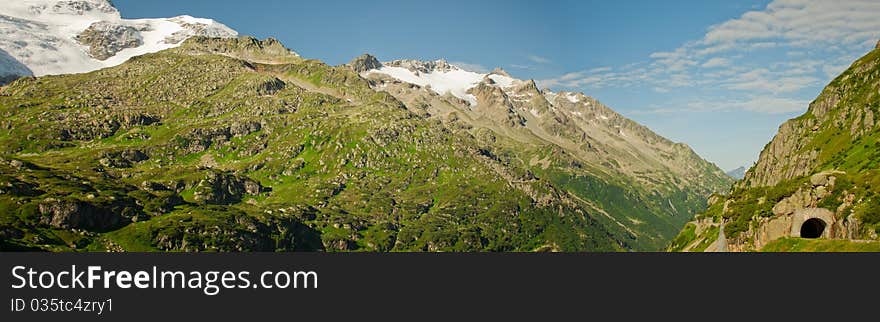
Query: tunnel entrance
[[813, 228]]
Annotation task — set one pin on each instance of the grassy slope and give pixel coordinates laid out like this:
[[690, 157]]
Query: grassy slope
[[820, 245], [345, 168]]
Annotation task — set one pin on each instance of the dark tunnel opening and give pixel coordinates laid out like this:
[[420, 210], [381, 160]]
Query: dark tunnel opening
[[812, 228]]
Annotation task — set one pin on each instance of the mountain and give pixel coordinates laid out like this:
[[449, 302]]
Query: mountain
[[818, 177], [239, 144], [50, 37], [635, 178], [737, 173]]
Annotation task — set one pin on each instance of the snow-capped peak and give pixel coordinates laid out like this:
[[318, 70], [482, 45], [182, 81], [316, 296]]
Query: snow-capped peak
[[442, 77], [73, 36]]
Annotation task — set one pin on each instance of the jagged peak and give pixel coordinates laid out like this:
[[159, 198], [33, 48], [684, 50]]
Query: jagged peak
[[365, 62], [499, 71], [423, 66]]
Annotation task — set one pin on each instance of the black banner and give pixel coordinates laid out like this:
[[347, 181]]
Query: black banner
[[413, 287]]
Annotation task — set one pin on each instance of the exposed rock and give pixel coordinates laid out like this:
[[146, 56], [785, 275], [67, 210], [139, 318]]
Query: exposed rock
[[247, 48], [803, 198], [499, 71], [364, 63], [154, 186], [418, 66], [123, 159], [105, 39], [17, 187], [223, 188], [271, 87], [238, 233], [819, 179], [75, 214]]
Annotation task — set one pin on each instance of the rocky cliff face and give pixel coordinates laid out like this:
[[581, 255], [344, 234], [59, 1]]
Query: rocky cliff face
[[842, 114], [822, 165]]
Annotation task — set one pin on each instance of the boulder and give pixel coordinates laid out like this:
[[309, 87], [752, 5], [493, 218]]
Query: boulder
[[819, 179]]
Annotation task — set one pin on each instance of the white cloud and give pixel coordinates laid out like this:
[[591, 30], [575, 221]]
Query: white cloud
[[834, 70], [802, 22], [539, 59], [470, 67], [760, 104], [763, 80], [783, 49], [716, 62], [772, 105]]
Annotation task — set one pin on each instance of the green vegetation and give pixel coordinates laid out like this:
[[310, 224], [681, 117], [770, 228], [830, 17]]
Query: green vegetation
[[687, 235], [820, 245], [235, 145]]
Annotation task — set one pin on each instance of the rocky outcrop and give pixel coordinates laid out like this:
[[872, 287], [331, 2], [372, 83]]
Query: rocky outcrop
[[15, 187], [76, 214], [499, 71], [221, 188], [790, 214], [246, 48], [105, 39], [201, 139], [238, 233], [496, 105], [123, 159], [365, 63]]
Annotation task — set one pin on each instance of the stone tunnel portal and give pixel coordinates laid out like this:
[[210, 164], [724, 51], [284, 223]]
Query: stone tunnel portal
[[813, 228]]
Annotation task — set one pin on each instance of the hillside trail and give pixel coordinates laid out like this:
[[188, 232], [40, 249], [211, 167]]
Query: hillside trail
[[720, 244]]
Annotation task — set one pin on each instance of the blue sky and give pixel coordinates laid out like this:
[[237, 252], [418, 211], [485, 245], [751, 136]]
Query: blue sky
[[720, 76]]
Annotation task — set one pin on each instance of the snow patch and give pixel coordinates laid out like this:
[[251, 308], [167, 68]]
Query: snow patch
[[444, 78], [454, 81], [502, 80], [41, 34]]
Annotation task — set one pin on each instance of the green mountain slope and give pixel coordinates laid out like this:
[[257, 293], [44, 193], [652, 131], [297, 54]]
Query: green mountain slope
[[238, 145], [824, 164]]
